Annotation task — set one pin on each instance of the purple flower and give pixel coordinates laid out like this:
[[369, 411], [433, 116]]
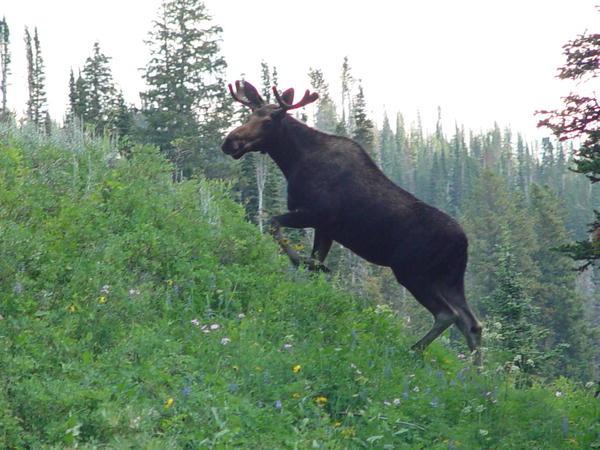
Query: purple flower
[[277, 404]]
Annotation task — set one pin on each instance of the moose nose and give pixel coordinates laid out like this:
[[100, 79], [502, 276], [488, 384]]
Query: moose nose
[[230, 145]]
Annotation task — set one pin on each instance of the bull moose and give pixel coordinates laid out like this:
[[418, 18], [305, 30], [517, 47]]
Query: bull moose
[[334, 187]]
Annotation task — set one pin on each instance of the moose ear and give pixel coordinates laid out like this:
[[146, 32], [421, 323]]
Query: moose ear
[[288, 96], [252, 95]]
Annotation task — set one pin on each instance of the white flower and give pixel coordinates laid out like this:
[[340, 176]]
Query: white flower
[[241, 315], [133, 292], [225, 341], [461, 356], [589, 384], [287, 346], [214, 326], [105, 289], [396, 402], [558, 394], [195, 322], [416, 389], [483, 432]]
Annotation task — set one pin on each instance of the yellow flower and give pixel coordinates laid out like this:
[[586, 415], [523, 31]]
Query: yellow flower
[[169, 282], [337, 424], [296, 395], [72, 308], [348, 432], [321, 400], [102, 299], [297, 368], [169, 402]]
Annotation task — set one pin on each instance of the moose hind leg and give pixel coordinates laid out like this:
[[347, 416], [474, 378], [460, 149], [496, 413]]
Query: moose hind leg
[[467, 323], [444, 315]]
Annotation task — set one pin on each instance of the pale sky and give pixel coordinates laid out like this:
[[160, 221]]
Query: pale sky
[[480, 60]]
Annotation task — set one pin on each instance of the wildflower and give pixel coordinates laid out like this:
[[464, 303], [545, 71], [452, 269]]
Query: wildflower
[[195, 322], [337, 424], [321, 400], [396, 402], [133, 292], [214, 326], [105, 289], [558, 394], [386, 403], [169, 402], [169, 283], [287, 346], [17, 288], [589, 384], [483, 432], [297, 368], [72, 308], [416, 389], [348, 432], [296, 395], [102, 299], [205, 329], [241, 315], [225, 341], [277, 404], [461, 356], [186, 391]]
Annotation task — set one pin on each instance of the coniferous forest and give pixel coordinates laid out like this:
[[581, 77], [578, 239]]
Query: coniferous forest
[[143, 303]]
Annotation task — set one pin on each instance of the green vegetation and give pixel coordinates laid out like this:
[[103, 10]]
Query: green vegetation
[[139, 313]]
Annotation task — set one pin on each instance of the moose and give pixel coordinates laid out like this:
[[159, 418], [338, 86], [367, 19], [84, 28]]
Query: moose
[[334, 187]]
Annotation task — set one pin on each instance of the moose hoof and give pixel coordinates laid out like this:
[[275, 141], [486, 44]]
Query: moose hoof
[[315, 266]]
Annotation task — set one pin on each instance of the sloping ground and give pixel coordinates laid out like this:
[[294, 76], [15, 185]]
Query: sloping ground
[[141, 314]]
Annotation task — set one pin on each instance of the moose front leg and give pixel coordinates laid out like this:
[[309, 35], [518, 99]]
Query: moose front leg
[[300, 218]]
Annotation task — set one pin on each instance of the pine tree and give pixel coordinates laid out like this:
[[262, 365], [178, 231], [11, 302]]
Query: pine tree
[[4, 67], [186, 105]]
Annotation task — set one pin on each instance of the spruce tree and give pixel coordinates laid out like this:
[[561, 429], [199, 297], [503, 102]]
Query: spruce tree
[[363, 126], [36, 103], [100, 89], [4, 67], [325, 116], [554, 290], [186, 105]]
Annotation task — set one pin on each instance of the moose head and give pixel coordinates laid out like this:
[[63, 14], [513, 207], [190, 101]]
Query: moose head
[[260, 129]]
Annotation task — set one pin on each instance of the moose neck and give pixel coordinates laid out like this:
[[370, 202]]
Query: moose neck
[[293, 142]]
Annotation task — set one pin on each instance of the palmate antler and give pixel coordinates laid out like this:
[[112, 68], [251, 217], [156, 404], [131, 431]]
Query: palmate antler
[[285, 100], [246, 94]]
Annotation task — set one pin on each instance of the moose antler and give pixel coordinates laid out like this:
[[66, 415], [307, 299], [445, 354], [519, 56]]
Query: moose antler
[[246, 94], [308, 98]]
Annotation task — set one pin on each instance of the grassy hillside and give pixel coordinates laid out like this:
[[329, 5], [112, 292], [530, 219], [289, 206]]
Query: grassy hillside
[[136, 313]]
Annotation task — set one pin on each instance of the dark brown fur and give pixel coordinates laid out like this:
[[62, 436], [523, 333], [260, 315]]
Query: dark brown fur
[[337, 189]]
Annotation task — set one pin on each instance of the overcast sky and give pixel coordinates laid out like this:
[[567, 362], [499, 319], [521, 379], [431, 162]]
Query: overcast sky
[[480, 60]]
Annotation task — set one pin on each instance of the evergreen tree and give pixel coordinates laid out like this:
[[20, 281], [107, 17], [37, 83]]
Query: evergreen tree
[[100, 92], [580, 118], [325, 116], [186, 105], [511, 314], [562, 312], [363, 126], [4, 67], [36, 103]]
